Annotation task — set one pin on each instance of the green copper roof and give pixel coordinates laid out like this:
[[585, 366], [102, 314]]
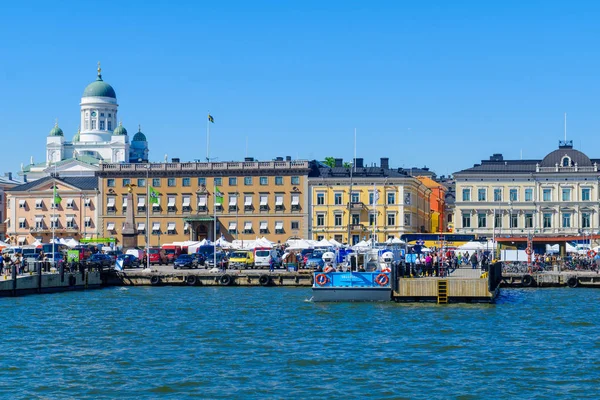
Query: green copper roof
[[99, 88], [56, 131], [119, 130], [139, 136], [76, 137]]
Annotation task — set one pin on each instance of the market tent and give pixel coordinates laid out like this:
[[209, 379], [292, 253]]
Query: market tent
[[221, 242], [323, 243], [335, 243], [362, 245], [472, 245], [395, 241], [298, 244], [72, 242]]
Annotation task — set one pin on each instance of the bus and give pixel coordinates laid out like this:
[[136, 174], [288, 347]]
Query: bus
[[447, 239]]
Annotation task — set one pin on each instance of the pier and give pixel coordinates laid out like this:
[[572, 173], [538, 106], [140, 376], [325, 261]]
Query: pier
[[572, 279], [39, 281]]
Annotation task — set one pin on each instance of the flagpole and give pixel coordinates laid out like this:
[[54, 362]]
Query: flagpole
[[214, 224], [148, 216], [208, 138], [54, 215]]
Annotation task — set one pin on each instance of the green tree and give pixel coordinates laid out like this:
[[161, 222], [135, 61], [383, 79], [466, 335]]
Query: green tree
[[329, 161], [347, 165]]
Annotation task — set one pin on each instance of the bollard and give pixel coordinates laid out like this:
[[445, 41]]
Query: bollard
[[13, 272]]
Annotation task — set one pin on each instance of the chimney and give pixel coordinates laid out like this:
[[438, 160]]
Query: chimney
[[249, 159], [339, 163], [8, 175], [359, 163], [174, 160], [385, 163], [288, 158], [278, 158]]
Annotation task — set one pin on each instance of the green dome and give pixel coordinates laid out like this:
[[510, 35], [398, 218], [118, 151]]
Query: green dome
[[119, 130], [139, 136], [99, 88], [56, 131], [76, 137]]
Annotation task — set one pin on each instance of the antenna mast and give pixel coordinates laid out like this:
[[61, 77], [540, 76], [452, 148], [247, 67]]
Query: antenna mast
[[565, 127]]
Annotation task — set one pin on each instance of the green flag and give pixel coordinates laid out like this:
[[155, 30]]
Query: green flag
[[154, 196], [57, 198], [218, 195]]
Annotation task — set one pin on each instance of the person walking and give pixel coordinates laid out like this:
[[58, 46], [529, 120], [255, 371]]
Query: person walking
[[271, 265], [474, 260]]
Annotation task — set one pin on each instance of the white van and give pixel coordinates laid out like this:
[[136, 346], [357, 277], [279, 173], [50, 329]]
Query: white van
[[263, 256]]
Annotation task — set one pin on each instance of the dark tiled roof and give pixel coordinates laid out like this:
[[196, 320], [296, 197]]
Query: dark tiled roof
[[80, 182], [556, 157], [508, 166], [317, 171]]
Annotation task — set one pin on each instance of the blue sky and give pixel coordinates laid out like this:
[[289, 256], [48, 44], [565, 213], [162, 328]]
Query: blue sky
[[435, 83]]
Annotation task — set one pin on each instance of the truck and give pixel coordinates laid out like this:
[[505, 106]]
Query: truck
[[263, 257], [242, 259], [173, 251]]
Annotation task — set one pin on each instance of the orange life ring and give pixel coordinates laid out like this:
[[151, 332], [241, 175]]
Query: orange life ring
[[386, 270], [528, 251], [591, 253], [382, 279], [322, 279]]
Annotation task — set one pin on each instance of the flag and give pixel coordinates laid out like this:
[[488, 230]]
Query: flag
[[57, 198], [218, 195], [211, 119], [154, 196]]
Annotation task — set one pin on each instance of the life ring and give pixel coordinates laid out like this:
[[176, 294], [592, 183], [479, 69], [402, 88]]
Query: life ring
[[322, 279], [527, 280], [386, 269], [155, 280], [591, 253], [264, 280], [226, 280], [191, 280], [72, 280], [572, 282], [328, 269], [382, 279], [528, 251]]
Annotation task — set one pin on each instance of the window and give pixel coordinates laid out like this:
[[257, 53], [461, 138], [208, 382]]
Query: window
[[22, 223], [248, 227], [371, 219], [171, 228], [88, 222], [87, 124], [371, 197], [171, 182], [87, 202], [566, 161], [110, 204], [156, 182], [408, 199], [585, 194], [391, 219], [110, 182], [407, 219], [497, 194], [126, 181], [233, 202], [279, 180], [466, 220], [156, 228], [528, 220], [338, 219], [141, 204], [391, 198], [279, 227], [141, 182], [54, 223], [110, 125], [201, 181], [264, 180], [355, 219], [481, 194], [202, 203], [481, 220], [547, 220], [101, 125], [186, 182], [514, 220], [466, 195], [320, 219], [566, 220], [218, 181], [22, 204], [566, 194], [528, 194], [337, 199], [102, 114], [264, 202], [232, 181], [279, 202], [186, 204], [93, 124], [295, 202], [585, 220], [124, 204], [71, 222], [295, 180], [355, 197], [514, 196], [547, 195], [320, 199], [295, 225], [248, 180], [264, 227], [39, 222], [497, 220]]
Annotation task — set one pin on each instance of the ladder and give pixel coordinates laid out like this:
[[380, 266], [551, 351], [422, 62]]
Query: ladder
[[442, 291]]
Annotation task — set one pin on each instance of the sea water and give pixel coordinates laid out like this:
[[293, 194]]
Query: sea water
[[224, 343]]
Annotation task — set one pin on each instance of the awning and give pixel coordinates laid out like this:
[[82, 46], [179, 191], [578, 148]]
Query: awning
[[232, 226], [70, 202], [88, 219], [263, 200], [141, 201], [21, 203], [53, 219], [70, 219], [202, 201], [295, 199], [22, 239], [264, 225], [38, 203], [39, 219], [278, 200], [87, 202], [110, 202], [21, 219], [186, 202], [186, 226], [248, 201], [171, 202], [171, 226], [110, 226], [247, 226], [233, 201], [124, 201], [141, 226], [278, 225], [156, 226]]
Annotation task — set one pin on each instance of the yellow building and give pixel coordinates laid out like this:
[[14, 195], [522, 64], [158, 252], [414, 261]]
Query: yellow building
[[384, 203], [260, 198]]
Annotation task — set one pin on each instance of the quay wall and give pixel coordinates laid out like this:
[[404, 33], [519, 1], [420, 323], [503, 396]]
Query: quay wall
[[50, 282]]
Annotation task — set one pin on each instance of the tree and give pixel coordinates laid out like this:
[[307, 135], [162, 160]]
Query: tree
[[329, 161], [347, 165]]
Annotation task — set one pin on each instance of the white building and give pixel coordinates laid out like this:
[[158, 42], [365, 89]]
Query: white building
[[100, 138]]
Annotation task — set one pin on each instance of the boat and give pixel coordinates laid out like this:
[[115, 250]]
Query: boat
[[346, 284]]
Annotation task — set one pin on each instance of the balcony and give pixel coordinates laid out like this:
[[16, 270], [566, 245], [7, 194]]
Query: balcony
[[357, 205], [357, 227]]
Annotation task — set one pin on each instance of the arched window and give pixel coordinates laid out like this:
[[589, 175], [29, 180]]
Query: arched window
[[566, 161]]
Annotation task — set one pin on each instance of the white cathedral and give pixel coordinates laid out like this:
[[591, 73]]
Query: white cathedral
[[99, 140]]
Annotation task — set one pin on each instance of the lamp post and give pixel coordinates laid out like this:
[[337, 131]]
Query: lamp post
[[350, 207], [147, 230]]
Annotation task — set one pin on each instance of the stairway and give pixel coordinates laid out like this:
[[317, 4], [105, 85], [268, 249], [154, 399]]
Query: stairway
[[442, 291]]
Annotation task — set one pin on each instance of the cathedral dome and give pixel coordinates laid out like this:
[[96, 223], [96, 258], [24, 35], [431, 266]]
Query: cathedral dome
[[99, 88], [119, 130], [139, 136], [56, 131]]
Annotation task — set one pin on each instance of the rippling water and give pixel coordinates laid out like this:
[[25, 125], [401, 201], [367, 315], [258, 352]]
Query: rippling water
[[178, 342]]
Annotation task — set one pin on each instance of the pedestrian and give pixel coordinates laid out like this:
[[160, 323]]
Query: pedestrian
[[271, 265], [474, 260]]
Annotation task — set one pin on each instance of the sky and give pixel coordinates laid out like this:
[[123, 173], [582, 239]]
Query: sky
[[426, 83]]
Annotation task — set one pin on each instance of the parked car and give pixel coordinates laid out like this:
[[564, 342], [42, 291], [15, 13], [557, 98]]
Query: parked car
[[55, 257], [315, 259], [138, 253], [157, 256], [305, 255], [185, 261], [222, 261], [243, 259], [263, 257], [200, 259], [129, 261], [99, 260], [114, 254]]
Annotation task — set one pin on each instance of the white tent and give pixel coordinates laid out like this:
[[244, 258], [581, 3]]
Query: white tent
[[472, 245], [72, 242], [221, 242], [323, 243], [3, 244], [335, 243], [395, 241], [362, 245], [62, 241], [36, 243], [298, 244]]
